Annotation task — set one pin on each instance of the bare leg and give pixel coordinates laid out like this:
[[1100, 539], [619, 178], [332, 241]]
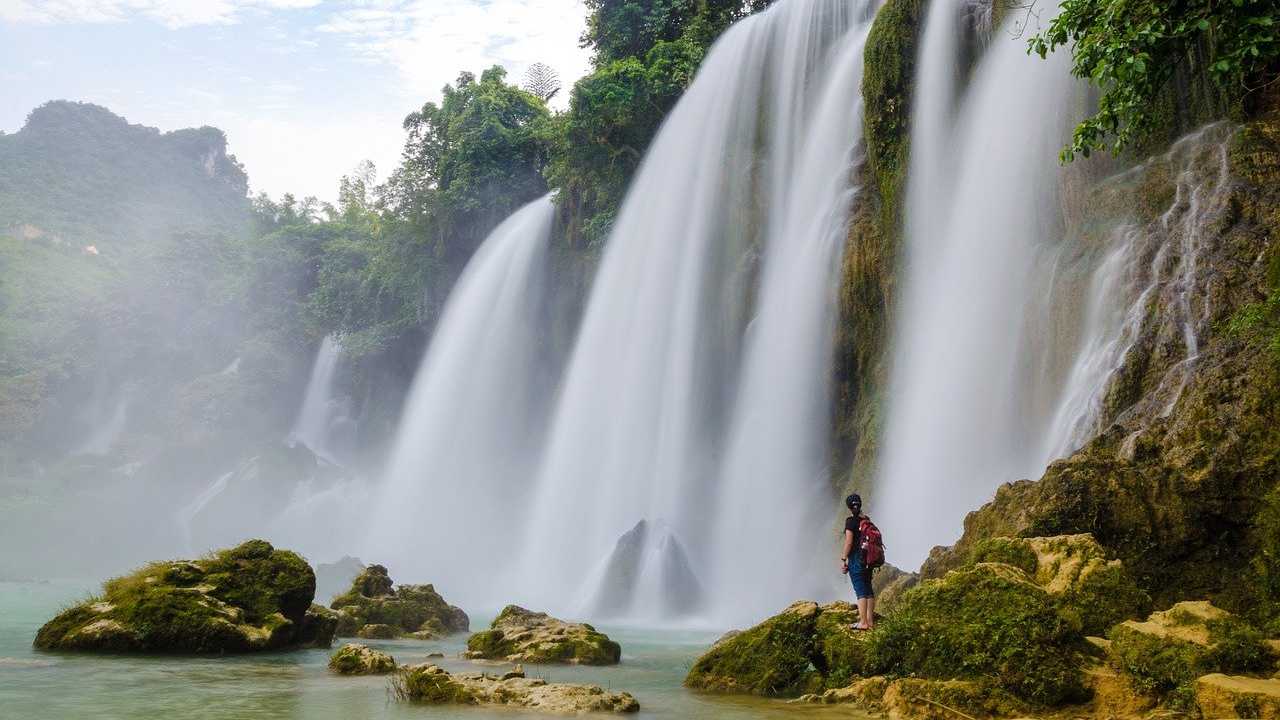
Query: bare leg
[[863, 609], [870, 621]]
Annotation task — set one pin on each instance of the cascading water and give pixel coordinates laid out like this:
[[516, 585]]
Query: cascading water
[[322, 412], [654, 421], [966, 395], [459, 467]]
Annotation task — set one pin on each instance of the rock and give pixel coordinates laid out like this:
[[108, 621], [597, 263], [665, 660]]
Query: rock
[[515, 672], [1165, 653], [1227, 696], [1095, 591], [249, 598], [919, 699], [353, 659], [377, 631], [988, 621], [889, 583], [409, 610], [518, 635], [318, 627], [649, 569], [803, 649], [428, 683], [336, 577]]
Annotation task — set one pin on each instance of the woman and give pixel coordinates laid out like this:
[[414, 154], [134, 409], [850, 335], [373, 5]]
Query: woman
[[851, 563]]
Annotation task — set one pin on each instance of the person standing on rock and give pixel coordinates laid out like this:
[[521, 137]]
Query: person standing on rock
[[853, 563]]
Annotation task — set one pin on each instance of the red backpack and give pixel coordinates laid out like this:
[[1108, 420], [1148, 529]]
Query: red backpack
[[872, 543]]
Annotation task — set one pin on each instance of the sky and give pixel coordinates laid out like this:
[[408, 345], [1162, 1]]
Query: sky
[[304, 89]]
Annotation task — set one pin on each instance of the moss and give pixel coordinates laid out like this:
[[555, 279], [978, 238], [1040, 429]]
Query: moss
[[1010, 551], [888, 73], [1167, 663], [839, 652], [373, 600], [987, 621], [773, 659], [429, 684], [542, 639], [352, 659]]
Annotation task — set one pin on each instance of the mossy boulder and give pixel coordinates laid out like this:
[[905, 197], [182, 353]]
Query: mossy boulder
[[354, 659], [519, 635], [1074, 569], [804, 649], [1164, 654], [1231, 696], [921, 699], [431, 684], [248, 598], [374, 607], [987, 622]]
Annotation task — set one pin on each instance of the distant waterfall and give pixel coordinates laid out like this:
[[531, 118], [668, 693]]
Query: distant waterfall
[[321, 410], [459, 469], [689, 400]]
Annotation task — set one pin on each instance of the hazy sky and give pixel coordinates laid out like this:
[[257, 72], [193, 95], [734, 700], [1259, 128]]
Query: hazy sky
[[304, 89]]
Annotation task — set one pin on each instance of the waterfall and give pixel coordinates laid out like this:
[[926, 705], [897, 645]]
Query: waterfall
[[458, 472], [967, 400], [672, 409], [321, 411]]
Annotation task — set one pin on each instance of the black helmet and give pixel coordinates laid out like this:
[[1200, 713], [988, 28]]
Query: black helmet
[[854, 502]]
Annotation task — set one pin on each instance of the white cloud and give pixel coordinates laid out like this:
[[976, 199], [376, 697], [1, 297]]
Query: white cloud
[[431, 41], [170, 13]]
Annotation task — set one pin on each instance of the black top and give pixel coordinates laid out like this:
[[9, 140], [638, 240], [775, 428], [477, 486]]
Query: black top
[[851, 525]]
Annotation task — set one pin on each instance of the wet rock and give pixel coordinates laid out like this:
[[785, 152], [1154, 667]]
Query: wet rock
[[374, 602], [889, 583], [918, 699], [428, 683], [1228, 696], [353, 659], [248, 598], [648, 569], [518, 635]]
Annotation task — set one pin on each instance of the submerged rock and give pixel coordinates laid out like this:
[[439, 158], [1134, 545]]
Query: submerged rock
[[648, 569], [375, 608], [354, 659], [518, 635], [803, 649], [428, 683], [249, 598]]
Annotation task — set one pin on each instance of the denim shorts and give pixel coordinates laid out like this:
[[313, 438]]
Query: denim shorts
[[860, 576]]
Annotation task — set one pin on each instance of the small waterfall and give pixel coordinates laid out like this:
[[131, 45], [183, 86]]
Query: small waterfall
[[667, 406], [187, 513], [322, 411], [459, 468]]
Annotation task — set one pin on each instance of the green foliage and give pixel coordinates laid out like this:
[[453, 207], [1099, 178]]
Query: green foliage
[[1167, 666], [773, 659], [1010, 551], [1259, 323], [985, 622], [1131, 48]]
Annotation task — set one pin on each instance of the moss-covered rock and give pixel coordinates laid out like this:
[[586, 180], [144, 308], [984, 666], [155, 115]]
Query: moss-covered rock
[[1164, 654], [1228, 696], [518, 635], [353, 659], [430, 684], [989, 621], [1094, 591], [374, 607], [921, 699], [251, 597], [803, 649]]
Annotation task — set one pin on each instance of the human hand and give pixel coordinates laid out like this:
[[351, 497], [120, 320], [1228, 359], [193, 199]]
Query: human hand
[[844, 567]]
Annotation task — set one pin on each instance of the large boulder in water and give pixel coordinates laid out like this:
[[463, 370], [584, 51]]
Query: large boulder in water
[[374, 602], [354, 659], [249, 598], [648, 570], [518, 635]]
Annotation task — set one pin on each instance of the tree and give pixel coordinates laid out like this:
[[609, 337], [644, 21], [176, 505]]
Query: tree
[[542, 81]]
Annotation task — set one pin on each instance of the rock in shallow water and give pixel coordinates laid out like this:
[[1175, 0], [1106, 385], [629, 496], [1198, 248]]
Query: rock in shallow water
[[249, 598], [354, 659], [518, 635], [428, 683], [375, 608]]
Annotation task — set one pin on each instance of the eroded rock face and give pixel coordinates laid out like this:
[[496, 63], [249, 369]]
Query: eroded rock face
[[805, 648], [519, 635], [375, 608], [354, 659], [428, 683], [249, 598], [649, 571]]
